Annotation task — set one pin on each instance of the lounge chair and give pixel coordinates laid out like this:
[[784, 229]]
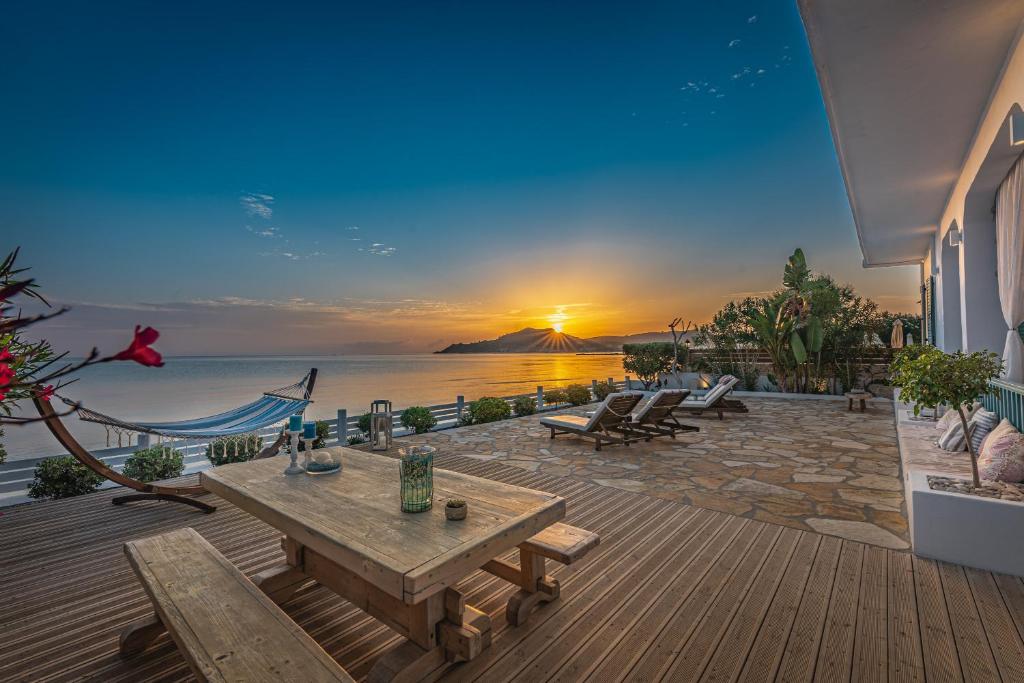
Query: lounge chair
[[608, 424], [656, 418], [715, 401]]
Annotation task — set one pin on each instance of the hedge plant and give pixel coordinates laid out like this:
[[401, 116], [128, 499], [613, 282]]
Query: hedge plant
[[62, 477], [487, 409], [322, 432], [3, 453], [555, 396], [577, 394], [603, 389], [154, 463], [228, 449], [418, 419], [363, 424], [524, 405]]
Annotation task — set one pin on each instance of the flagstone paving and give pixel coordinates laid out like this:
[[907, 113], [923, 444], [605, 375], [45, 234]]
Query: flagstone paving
[[808, 464]]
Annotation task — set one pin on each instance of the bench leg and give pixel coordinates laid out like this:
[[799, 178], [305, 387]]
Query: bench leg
[[535, 588], [458, 632], [139, 635], [280, 583]]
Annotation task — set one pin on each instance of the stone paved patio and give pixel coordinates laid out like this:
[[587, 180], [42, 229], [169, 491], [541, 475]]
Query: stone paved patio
[[807, 464]]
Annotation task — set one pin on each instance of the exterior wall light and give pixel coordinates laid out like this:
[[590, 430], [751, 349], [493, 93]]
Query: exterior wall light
[[955, 237]]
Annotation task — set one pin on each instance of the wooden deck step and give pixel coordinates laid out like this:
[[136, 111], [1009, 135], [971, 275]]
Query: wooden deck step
[[226, 628]]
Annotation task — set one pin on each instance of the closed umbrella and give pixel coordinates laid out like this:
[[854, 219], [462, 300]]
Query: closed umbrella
[[897, 335]]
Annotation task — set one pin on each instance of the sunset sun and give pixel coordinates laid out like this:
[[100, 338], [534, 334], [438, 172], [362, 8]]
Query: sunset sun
[[557, 320]]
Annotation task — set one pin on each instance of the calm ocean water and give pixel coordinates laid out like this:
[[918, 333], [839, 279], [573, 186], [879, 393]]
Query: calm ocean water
[[193, 387]]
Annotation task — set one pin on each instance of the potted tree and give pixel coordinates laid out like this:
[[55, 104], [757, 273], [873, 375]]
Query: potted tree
[[931, 378]]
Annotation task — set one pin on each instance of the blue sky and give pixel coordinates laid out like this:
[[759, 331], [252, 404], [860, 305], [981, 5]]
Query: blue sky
[[413, 173]]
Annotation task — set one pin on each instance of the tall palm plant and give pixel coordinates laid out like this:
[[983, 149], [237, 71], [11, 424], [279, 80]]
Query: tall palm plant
[[774, 333]]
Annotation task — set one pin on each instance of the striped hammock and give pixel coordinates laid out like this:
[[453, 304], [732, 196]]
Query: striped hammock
[[270, 409]]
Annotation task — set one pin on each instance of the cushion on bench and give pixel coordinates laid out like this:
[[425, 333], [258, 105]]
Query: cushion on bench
[[226, 628]]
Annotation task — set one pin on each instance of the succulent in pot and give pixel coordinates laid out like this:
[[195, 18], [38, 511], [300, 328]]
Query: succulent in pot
[[455, 509]]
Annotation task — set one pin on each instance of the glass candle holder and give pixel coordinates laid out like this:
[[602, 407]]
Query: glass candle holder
[[323, 461], [416, 469]]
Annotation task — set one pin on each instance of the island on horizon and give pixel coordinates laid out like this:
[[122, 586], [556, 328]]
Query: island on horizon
[[548, 340]]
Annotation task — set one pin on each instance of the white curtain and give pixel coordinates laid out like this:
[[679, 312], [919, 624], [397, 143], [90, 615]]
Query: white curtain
[[1010, 267]]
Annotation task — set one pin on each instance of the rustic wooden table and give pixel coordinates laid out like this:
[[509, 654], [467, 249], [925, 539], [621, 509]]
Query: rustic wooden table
[[347, 531]]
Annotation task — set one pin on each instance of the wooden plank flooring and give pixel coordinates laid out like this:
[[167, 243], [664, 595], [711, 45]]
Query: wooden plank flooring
[[672, 593]]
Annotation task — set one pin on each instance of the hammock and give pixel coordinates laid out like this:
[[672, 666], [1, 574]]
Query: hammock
[[275, 406]]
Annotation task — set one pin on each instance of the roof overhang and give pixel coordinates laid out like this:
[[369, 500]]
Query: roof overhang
[[905, 85]]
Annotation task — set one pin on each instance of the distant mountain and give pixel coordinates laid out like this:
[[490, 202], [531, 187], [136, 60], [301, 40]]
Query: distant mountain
[[532, 340]]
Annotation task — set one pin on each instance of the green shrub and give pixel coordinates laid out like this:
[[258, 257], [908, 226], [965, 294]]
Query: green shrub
[[322, 432], [555, 396], [603, 389], [487, 409], [418, 419], [577, 394], [356, 439], [62, 477], [647, 361], [364, 423], [228, 449], [3, 453], [524, 405], [154, 463]]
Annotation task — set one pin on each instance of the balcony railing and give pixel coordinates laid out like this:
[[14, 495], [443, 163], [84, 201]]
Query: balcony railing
[[1006, 399]]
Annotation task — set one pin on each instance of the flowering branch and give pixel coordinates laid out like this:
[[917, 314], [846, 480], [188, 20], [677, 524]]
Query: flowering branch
[[32, 370]]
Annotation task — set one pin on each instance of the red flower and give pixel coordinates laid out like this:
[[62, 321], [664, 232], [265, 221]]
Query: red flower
[[46, 393], [6, 374], [5, 355], [139, 350]]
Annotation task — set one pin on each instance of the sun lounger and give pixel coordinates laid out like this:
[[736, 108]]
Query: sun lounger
[[715, 401], [608, 424], [656, 418]]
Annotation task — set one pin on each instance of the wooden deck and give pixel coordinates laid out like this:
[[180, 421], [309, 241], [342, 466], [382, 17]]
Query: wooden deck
[[672, 593]]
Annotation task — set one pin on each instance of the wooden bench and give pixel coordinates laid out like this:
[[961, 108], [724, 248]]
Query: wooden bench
[[559, 542], [224, 625]]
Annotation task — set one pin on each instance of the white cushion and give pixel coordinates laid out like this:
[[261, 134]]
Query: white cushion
[[953, 438], [981, 424], [570, 421]]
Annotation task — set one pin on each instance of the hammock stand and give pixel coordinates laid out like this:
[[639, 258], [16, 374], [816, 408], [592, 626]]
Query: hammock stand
[[273, 407]]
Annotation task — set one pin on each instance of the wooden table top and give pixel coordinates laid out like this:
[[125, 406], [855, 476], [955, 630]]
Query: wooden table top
[[354, 518]]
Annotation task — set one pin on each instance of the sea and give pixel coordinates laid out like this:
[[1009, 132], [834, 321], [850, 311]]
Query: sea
[[188, 387]]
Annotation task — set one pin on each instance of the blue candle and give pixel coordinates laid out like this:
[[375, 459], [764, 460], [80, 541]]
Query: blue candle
[[294, 423], [309, 431]]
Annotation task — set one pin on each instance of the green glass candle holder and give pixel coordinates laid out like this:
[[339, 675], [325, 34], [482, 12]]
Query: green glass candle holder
[[416, 470]]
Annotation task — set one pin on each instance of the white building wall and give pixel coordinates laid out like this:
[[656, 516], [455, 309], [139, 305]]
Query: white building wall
[[981, 324]]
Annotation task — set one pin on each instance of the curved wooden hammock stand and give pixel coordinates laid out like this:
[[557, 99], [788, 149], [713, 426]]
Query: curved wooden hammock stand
[[174, 494]]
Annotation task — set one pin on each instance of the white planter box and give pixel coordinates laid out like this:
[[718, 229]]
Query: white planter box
[[968, 530]]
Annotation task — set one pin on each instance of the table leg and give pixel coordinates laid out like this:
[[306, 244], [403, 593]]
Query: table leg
[[535, 587], [440, 629]]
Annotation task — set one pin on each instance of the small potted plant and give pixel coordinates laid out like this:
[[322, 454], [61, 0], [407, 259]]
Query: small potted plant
[[455, 509]]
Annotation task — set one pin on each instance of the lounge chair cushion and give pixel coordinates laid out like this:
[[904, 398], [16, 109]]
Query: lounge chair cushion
[[569, 421]]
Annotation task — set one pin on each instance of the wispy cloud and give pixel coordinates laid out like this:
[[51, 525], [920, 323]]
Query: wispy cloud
[[257, 204], [734, 42], [264, 232], [752, 20], [378, 249]]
